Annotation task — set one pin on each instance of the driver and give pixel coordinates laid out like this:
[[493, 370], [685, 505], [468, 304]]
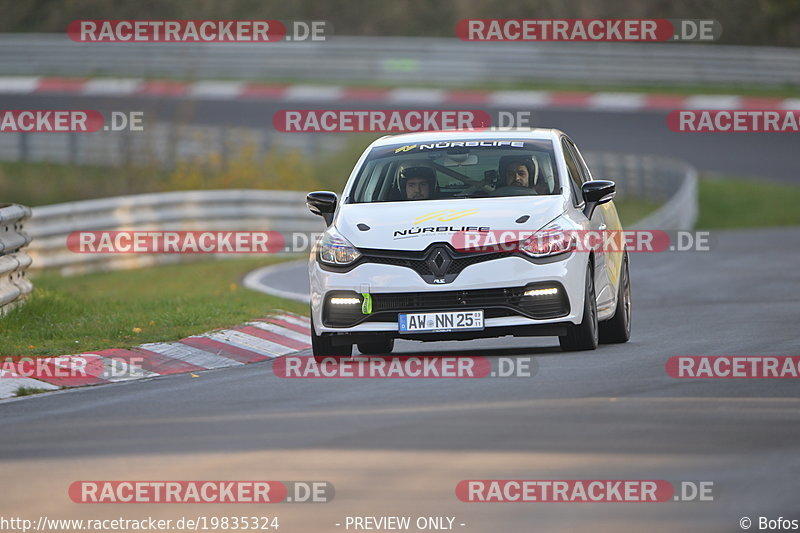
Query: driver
[[517, 174], [517, 171], [417, 183]]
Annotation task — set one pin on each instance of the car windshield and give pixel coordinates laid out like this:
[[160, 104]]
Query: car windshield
[[456, 169]]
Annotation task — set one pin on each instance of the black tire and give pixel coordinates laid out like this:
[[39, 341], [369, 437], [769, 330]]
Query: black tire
[[378, 346], [617, 329], [583, 336], [323, 349]]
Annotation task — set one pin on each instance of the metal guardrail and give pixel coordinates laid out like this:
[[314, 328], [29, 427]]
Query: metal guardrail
[[670, 182], [216, 210], [14, 286], [408, 60], [681, 210]]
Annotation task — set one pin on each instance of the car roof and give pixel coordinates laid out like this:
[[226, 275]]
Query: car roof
[[537, 134]]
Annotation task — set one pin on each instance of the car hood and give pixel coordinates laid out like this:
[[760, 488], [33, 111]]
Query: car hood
[[407, 225]]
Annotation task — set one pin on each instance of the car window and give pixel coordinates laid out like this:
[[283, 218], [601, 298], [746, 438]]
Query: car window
[[457, 169], [586, 175], [574, 174]]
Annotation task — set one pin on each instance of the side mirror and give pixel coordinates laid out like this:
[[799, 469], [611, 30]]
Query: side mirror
[[322, 203], [597, 192]]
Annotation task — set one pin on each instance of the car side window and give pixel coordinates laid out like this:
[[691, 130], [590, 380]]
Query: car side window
[[582, 166], [574, 174]]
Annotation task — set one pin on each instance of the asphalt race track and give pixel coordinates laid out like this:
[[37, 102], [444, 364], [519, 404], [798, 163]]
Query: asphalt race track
[[400, 446]]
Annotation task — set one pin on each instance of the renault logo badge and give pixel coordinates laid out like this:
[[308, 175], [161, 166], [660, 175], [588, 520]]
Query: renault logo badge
[[439, 262]]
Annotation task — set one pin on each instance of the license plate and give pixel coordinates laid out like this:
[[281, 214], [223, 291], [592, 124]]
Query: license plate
[[440, 322]]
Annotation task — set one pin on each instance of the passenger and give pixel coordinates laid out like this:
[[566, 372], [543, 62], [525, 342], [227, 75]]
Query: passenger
[[418, 183]]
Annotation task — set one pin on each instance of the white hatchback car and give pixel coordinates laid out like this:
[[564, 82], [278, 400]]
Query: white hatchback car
[[393, 264]]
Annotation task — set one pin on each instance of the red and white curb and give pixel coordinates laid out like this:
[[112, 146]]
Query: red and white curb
[[259, 340], [289, 94]]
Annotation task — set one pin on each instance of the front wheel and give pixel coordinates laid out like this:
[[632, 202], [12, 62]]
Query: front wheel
[[584, 335], [617, 329], [323, 348]]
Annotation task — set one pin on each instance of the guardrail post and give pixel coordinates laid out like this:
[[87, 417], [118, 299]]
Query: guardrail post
[[14, 286], [24, 148], [72, 148]]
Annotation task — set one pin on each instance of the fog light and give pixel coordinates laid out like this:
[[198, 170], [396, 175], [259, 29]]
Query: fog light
[[345, 301], [550, 291]]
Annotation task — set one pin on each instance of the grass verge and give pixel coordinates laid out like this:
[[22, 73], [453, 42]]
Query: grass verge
[[28, 391], [49, 183], [36, 184], [747, 203], [630, 209], [120, 309]]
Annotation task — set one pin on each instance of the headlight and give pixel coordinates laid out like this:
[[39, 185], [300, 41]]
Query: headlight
[[333, 249], [552, 240]]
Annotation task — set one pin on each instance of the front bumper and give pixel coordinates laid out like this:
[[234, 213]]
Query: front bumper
[[491, 285]]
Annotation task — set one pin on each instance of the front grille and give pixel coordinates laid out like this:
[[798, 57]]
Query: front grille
[[418, 266], [419, 261]]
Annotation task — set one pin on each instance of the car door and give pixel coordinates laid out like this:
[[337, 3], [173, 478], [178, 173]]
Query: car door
[[578, 169]]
